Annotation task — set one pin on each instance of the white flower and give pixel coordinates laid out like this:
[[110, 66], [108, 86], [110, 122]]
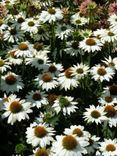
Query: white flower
[[90, 44], [46, 81], [42, 152], [66, 79], [39, 134], [68, 145], [30, 25], [95, 114], [4, 65], [111, 62], [37, 98], [11, 82], [52, 15], [102, 73], [80, 70], [76, 19], [16, 109], [108, 147], [113, 22], [65, 104]]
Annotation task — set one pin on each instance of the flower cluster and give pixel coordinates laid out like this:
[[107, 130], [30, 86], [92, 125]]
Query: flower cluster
[[58, 69]]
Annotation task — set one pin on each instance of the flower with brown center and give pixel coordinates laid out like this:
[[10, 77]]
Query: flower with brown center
[[95, 114], [113, 89], [51, 11], [78, 132], [23, 46], [10, 79], [90, 42], [68, 73], [36, 96], [101, 71], [110, 111], [15, 107], [2, 62], [40, 131], [47, 77], [42, 152], [108, 99], [110, 147]]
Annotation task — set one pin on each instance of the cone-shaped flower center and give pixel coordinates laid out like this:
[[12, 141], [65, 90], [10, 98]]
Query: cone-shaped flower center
[[79, 71], [47, 77], [110, 148], [52, 98], [20, 20], [63, 28], [78, 132], [90, 42], [36, 96], [110, 110], [38, 46], [12, 54], [95, 114], [40, 131], [15, 107], [69, 142], [110, 33], [40, 30], [113, 89], [108, 99], [2, 62], [78, 21], [13, 31], [101, 71], [64, 101], [11, 79], [41, 152], [31, 23], [75, 45], [40, 61], [52, 69], [52, 11], [68, 73], [23, 46]]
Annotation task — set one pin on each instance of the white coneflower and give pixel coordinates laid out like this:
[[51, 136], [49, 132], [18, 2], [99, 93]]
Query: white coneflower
[[108, 147], [37, 98], [111, 62], [16, 109], [111, 90], [66, 79], [42, 152], [91, 44], [51, 15], [80, 70], [102, 73], [46, 81], [11, 82], [68, 145], [39, 134], [95, 114], [4, 65], [65, 105]]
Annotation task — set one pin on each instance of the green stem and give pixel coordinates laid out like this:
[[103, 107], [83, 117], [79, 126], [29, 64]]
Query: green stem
[[89, 59]]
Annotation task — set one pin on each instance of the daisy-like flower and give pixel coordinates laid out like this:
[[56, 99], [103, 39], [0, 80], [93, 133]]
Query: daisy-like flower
[[11, 58], [42, 152], [55, 68], [93, 144], [65, 105], [11, 82], [111, 62], [3, 26], [66, 79], [106, 99], [37, 98], [90, 44], [46, 81], [16, 109], [113, 21], [68, 145], [102, 73], [72, 48], [39, 134], [63, 31], [78, 131], [95, 114], [38, 61], [108, 36], [30, 25], [51, 15], [108, 147], [77, 20], [80, 70], [4, 65], [111, 90], [111, 113], [13, 34], [24, 49]]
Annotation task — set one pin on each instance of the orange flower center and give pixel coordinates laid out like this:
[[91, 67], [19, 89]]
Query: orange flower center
[[11, 79], [40, 131], [68, 73], [69, 142], [15, 107], [110, 148], [78, 132], [52, 98], [90, 42], [23, 46], [110, 110], [46, 77], [41, 152], [101, 71]]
